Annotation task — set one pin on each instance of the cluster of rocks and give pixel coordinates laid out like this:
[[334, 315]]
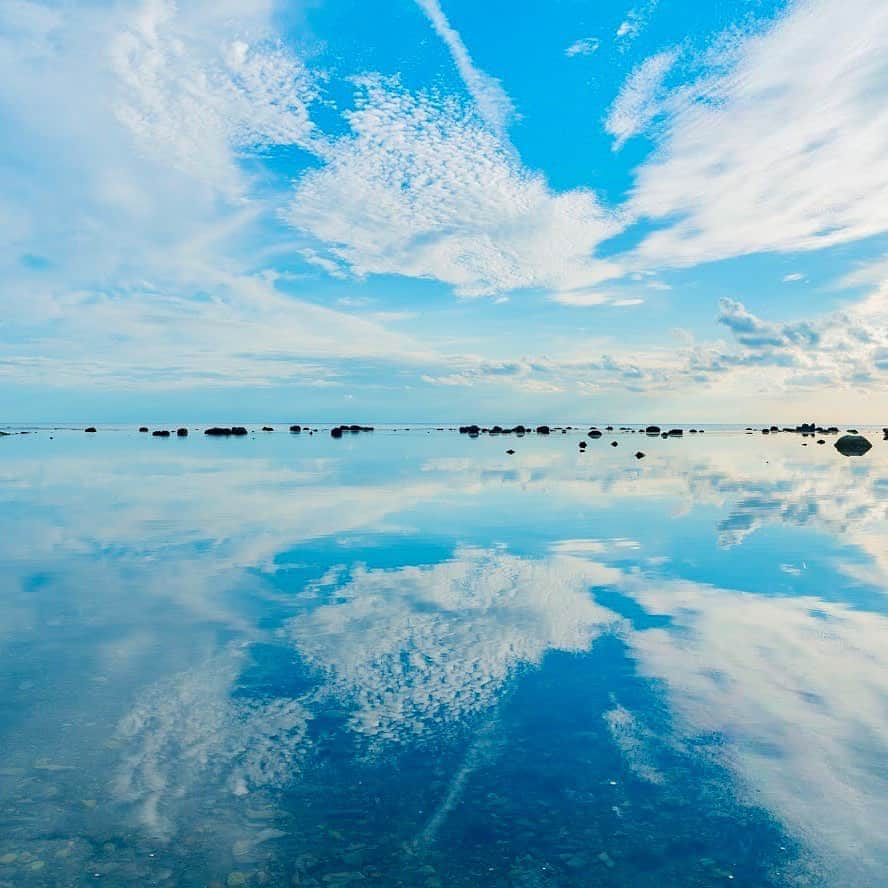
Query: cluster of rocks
[[338, 431], [474, 430], [224, 432], [806, 429], [165, 433], [850, 444]]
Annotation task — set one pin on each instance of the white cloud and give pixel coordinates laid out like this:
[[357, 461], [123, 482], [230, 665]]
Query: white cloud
[[127, 128], [640, 99], [794, 276], [423, 188], [635, 22], [584, 46], [581, 297], [781, 172], [494, 106], [194, 98]]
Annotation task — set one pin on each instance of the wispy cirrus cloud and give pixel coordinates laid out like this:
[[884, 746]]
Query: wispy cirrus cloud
[[640, 99], [781, 172], [493, 104]]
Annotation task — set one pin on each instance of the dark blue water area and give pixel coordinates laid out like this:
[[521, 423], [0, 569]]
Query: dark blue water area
[[414, 659]]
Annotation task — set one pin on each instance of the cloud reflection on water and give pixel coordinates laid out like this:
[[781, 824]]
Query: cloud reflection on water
[[787, 690]]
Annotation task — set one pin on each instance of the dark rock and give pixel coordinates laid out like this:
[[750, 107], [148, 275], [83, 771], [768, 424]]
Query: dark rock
[[182, 433], [582, 445], [336, 432], [639, 455], [510, 452], [267, 429], [652, 430], [90, 429], [544, 430], [766, 431], [853, 432], [594, 433], [615, 443], [821, 441], [296, 429], [608, 428], [852, 445], [218, 431], [676, 433], [161, 433], [143, 428]]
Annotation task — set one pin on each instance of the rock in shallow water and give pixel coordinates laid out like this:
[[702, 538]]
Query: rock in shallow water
[[853, 445]]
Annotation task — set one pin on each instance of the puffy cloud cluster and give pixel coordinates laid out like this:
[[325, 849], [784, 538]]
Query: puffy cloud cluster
[[423, 187]]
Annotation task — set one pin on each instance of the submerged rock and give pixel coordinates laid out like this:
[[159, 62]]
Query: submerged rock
[[852, 445]]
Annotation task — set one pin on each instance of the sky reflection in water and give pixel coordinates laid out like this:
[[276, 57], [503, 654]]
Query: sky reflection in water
[[413, 659]]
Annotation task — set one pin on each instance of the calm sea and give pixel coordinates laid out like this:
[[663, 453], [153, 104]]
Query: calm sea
[[411, 658]]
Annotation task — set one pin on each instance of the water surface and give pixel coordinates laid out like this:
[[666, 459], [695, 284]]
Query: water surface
[[410, 658]]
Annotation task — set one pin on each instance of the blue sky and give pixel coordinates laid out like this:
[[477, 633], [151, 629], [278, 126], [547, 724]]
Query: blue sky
[[437, 209]]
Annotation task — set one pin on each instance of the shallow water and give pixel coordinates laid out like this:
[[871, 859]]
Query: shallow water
[[412, 659]]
